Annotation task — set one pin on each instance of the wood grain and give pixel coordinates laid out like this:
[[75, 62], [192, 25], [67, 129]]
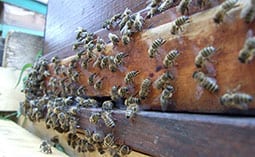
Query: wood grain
[[228, 38], [167, 135]]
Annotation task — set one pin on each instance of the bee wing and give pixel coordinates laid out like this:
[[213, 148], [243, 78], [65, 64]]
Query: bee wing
[[210, 69]]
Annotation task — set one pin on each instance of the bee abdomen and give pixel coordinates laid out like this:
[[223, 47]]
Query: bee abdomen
[[207, 51], [240, 98], [211, 86], [181, 20], [157, 43]]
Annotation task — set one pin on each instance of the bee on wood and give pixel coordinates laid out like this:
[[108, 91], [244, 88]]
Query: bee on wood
[[100, 44], [202, 3], [91, 79], [119, 57], [123, 92], [107, 117], [129, 78], [114, 93], [98, 61], [153, 50], [75, 76], [236, 100], [178, 23], [204, 55], [165, 5], [113, 38], [124, 23], [131, 110], [248, 13], [45, 147], [124, 150], [154, 3], [144, 88], [163, 80], [170, 58], [115, 17], [125, 39], [107, 24], [94, 118], [109, 140], [81, 91], [104, 62], [247, 53], [138, 22], [98, 84], [73, 125], [199, 61], [98, 137], [152, 12], [205, 82], [55, 60], [80, 32], [183, 6], [73, 110], [85, 62], [112, 66], [107, 105], [224, 8], [131, 100], [166, 96]]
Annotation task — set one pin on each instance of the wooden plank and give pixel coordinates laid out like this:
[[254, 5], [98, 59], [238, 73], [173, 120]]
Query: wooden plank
[[170, 134], [39, 129], [16, 141], [9, 95], [228, 37]]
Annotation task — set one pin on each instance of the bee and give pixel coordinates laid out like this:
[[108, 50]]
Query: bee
[[224, 8], [81, 91], [119, 57], [85, 62], [205, 82], [98, 61], [152, 12], [98, 84], [72, 125], [107, 117], [165, 5], [107, 24], [73, 110], [178, 24], [131, 100], [184, 6], [113, 38], [202, 3], [112, 66], [75, 76], [126, 12], [100, 44], [80, 32], [153, 50], [154, 3], [248, 13], [247, 53], [115, 17], [45, 147], [170, 58], [165, 96], [107, 105], [123, 92], [131, 110], [199, 61], [98, 137], [138, 22], [90, 103], [109, 140], [114, 93], [125, 150], [55, 60], [94, 118], [104, 62], [91, 79], [207, 51], [129, 78], [125, 39], [163, 80], [236, 100], [124, 22], [144, 88]]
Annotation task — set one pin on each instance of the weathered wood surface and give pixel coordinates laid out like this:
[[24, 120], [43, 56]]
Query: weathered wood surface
[[16, 141], [167, 134], [228, 37], [39, 129], [9, 95]]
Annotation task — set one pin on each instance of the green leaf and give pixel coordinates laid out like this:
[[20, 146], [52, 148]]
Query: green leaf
[[25, 67]]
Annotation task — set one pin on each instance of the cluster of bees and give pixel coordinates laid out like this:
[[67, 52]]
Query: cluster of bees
[[57, 95]]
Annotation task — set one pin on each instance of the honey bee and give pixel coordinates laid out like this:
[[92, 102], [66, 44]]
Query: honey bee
[[98, 61], [248, 13], [125, 150], [114, 93], [126, 12], [107, 24], [170, 58], [131, 100], [205, 82], [145, 88], [154, 3], [98, 84], [109, 140], [112, 66], [153, 50], [184, 6], [131, 110], [45, 147], [178, 24], [98, 137], [123, 92], [199, 61], [55, 60], [202, 3], [152, 12], [73, 110], [81, 91], [100, 44], [165, 5], [94, 118], [107, 105], [80, 32], [129, 78], [91, 79], [236, 100], [224, 8], [165, 97], [119, 57], [247, 53], [90, 103], [116, 17], [125, 39], [75, 76], [104, 62], [124, 22], [113, 38], [107, 117], [207, 51], [163, 80], [138, 22], [85, 62]]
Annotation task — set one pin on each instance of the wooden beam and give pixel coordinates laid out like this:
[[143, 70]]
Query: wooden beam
[[170, 134], [227, 37]]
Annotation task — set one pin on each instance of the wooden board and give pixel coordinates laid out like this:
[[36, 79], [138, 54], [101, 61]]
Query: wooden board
[[16, 141], [228, 37], [9, 95]]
